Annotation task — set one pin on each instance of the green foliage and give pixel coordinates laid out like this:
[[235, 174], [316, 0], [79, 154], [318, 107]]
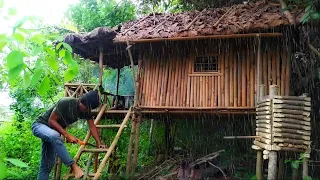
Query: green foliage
[[164, 6], [89, 14]]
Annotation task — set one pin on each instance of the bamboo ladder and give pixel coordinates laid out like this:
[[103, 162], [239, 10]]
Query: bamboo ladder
[[107, 151]]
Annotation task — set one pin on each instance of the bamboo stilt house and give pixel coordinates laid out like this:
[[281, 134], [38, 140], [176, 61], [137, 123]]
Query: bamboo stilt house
[[211, 60]]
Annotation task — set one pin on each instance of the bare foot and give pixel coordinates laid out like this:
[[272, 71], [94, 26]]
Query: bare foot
[[78, 173]]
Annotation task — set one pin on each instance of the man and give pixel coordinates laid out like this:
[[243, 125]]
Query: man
[[53, 122]]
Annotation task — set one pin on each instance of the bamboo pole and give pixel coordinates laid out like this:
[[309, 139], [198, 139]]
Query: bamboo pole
[[222, 80], [305, 172], [208, 92], [239, 63], [169, 82], [248, 75], [272, 166], [227, 80], [189, 83], [129, 154], [252, 80], [243, 80], [201, 89], [100, 67], [235, 86], [185, 84], [269, 69], [231, 72], [283, 72], [159, 81], [259, 64], [219, 81], [165, 84], [215, 91], [288, 73], [136, 145], [265, 71], [173, 93], [112, 146], [274, 67], [278, 68]]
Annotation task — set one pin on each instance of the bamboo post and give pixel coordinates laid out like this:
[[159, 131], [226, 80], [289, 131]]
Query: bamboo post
[[100, 66], [272, 166], [136, 145], [259, 173], [305, 168], [135, 105], [281, 167], [112, 146], [258, 68]]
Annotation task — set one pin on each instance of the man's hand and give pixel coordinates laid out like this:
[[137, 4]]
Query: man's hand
[[71, 139]]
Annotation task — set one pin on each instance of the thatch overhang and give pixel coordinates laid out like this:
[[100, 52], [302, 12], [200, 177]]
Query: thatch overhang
[[238, 21]]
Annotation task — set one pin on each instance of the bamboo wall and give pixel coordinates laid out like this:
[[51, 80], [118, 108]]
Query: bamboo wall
[[168, 79]]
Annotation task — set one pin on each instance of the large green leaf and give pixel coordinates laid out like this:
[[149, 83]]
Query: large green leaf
[[15, 72], [62, 53], [26, 79], [50, 51], [44, 86], [1, 6], [19, 37], [67, 46], [316, 16], [2, 45], [69, 75], [16, 162], [67, 58], [14, 58], [36, 76], [3, 168], [52, 63], [38, 38]]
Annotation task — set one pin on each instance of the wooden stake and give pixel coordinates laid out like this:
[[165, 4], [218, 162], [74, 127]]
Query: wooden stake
[[243, 80], [136, 145], [305, 168]]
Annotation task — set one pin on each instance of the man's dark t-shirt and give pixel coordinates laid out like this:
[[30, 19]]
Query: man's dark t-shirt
[[68, 110]]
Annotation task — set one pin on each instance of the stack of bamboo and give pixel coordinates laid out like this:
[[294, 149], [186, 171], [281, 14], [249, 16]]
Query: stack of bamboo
[[283, 124]]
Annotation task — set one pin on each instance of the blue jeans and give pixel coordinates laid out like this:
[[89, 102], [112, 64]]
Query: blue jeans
[[51, 144]]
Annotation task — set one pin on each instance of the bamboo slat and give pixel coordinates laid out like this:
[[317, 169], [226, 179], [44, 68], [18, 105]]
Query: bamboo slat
[[288, 71], [173, 76], [169, 81], [226, 80], [231, 73], [208, 91], [278, 68], [243, 80], [158, 81], [222, 81], [198, 99], [192, 91], [235, 77], [147, 88], [283, 71], [248, 75], [265, 71], [185, 81], [274, 66], [239, 63], [215, 91], [219, 82], [269, 69], [252, 71], [177, 70], [155, 72]]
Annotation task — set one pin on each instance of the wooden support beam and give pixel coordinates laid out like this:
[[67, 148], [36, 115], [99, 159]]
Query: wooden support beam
[[136, 145]]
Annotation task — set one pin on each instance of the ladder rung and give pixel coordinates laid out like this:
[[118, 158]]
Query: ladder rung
[[95, 150], [110, 126]]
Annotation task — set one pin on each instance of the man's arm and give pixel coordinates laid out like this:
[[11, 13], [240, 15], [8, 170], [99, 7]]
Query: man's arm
[[55, 125], [94, 132]]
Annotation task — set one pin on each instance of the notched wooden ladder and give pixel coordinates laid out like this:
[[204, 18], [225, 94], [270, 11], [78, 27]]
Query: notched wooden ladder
[[108, 151]]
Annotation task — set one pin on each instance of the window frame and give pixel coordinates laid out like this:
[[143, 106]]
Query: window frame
[[207, 72]]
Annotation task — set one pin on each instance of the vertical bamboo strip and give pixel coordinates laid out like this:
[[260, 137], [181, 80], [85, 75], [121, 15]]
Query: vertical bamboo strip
[[189, 84], [172, 82], [212, 91], [176, 82], [219, 81], [235, 85], [230, 59], [239, 63], [288, 71], [278, 68], [198, 92], [208, 90], [152, 80], [186, 80], [169, 80], [210, 97], [164, 82], [195, 91], [183, 81], [142, 75], [151, 74], [158, 81], [248, 73], [145, 80], [226, 79], [265, 70], [244, 80], [215, 91], [146, 91], [269, 58], [274, 66], [283, 69], [180, 81], [252, 72], [222, 81], [201, 89], [192, 94]]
